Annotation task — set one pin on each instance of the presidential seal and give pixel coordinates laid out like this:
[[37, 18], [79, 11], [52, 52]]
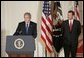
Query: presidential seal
[[19, 43]]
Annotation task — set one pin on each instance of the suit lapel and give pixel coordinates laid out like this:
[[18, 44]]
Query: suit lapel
[[24, 28], [73, 25], [68, 25], [29, 29]]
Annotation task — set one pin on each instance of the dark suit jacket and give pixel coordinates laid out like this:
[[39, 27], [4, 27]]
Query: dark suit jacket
[[71, 37], [32, 30]]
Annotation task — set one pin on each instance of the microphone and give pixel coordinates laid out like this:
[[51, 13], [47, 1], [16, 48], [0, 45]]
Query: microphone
[[20, 32]]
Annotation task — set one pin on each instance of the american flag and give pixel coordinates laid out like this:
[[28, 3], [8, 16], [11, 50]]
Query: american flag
[[46, 26], [76, 10], [58, 18], [59, 10]]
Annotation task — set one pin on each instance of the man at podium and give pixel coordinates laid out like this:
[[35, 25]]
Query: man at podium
[[27, 27]]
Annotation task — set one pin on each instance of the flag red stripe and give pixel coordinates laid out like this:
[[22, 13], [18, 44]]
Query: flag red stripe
[[48, 48], [77, 13], [43, 38], [43, 29], [49, 40], [44, 20], [46, 25], [50, 21], [47, 29], [46, 36]]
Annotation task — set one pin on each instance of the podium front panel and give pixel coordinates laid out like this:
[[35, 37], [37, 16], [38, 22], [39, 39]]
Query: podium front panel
[[20, 44]]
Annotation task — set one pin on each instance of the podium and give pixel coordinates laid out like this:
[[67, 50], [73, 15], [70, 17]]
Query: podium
[[20, 46]]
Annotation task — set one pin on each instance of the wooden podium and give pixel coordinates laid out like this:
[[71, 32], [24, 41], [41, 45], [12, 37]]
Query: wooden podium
[[20, 46]]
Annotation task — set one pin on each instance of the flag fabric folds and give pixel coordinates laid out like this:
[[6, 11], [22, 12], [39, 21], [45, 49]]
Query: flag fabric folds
[[46, 26]]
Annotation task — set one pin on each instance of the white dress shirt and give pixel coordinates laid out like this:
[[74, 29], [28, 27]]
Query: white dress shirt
[[27, 23], [71, 21]]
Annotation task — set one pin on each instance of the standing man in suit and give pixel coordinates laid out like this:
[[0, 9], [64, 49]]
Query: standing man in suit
[[71, 30], [27, 27]]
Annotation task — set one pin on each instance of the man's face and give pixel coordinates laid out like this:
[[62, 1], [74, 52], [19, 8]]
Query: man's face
[[27, 18], [70, 16]]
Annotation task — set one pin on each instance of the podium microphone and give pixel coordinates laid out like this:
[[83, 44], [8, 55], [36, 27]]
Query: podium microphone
[[20, 32]]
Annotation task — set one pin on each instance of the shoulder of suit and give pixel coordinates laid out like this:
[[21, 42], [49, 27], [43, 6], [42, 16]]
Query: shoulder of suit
[[65, 21], [33, 23], [76, 20], [22, 22]]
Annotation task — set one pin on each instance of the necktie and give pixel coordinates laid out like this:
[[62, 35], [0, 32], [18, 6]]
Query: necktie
[[26, 28], [70, 26]]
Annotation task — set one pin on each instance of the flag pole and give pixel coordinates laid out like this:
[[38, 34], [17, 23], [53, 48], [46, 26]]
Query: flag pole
[[45, 52]]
